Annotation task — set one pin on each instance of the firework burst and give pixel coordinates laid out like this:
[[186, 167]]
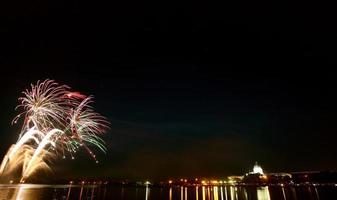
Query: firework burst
[[55, 120]]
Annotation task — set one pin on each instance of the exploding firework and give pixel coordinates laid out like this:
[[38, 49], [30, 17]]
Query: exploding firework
[[55, 121]]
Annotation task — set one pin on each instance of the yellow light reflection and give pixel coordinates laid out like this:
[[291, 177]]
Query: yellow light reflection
[[25, 192], [232, 191], [221, 193], [215, 193], [208, 194], [185, 193], [236, 192], [203, 193], [226, 193], [170, 193], [263, 193], [147, 193]]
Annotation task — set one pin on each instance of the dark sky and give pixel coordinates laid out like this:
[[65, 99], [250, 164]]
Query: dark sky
[[191, 88]]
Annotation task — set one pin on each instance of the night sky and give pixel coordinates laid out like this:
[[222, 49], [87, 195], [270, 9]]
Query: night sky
[[191, 88]]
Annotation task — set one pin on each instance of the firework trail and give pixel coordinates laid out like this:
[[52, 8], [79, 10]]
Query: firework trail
[[35, 159], [55, 120]]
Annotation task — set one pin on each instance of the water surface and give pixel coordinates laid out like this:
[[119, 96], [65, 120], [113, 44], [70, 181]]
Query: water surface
[[103, 192]]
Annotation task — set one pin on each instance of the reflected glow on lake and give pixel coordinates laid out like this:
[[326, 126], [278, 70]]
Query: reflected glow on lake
[[89, 192]]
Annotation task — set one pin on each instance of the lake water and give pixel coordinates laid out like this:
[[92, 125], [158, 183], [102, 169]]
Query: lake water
[[64, 192]]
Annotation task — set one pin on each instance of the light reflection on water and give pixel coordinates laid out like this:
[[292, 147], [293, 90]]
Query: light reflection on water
[[49, 192], [263, 193]]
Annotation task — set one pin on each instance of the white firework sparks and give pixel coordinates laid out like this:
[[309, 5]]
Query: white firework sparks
[[54, 118]]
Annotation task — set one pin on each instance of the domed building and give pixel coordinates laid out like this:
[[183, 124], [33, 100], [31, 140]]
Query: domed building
[[257, 169], [256, 177]]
